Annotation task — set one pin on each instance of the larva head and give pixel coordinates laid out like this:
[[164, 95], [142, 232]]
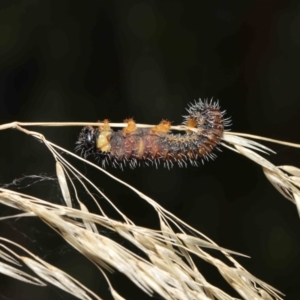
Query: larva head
[[86, 143]]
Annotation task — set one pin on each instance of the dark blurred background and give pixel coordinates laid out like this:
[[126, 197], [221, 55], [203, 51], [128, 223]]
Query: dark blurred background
[[86, 61]]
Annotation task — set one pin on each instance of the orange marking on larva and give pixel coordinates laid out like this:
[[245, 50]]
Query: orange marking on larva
[[163, 126], [105, 125], [131, 126], [191, 123]]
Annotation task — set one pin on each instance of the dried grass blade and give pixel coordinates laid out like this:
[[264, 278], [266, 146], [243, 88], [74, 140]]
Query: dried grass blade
[[57, 278], [63, 184], [91, 226], [19, 275], [235, 140], [291, 170], [195, 241], [282, 184]]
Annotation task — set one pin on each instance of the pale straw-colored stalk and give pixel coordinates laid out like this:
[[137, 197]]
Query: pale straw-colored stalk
[[169, 270]]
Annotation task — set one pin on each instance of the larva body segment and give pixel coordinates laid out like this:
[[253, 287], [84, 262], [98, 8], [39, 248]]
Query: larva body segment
[[133, 146]]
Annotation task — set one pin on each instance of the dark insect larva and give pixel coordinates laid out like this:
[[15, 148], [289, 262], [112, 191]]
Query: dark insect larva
[[133, 146]]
